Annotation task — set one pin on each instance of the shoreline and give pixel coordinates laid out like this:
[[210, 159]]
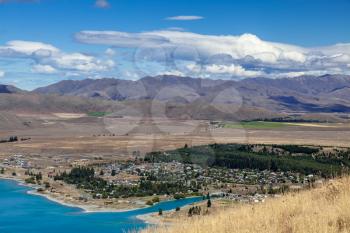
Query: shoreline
[[84, 208], [146, 218], [154, 219], [149, 219]]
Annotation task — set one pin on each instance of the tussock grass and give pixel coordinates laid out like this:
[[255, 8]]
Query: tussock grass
[[321, 210]]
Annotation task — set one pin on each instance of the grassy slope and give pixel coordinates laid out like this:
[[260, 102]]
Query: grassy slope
[[325, 209]]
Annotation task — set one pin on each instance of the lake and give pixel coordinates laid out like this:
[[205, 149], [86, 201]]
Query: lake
[[24, 213]]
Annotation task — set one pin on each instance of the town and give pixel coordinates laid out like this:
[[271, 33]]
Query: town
[[162, 175]]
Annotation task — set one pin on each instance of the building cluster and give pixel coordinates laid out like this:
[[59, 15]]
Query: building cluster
[[17, 161], [241, 197], [199, 177]]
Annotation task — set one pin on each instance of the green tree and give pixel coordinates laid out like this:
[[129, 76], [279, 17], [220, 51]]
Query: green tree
[[178, 196], [30, 180], [190, 211], [209, 203], [149, 203], [113, 173], [208, 196], [47, 185], [39, 176]]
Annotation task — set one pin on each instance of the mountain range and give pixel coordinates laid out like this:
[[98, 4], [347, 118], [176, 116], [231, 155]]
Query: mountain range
[[201, 98], [328, 93]]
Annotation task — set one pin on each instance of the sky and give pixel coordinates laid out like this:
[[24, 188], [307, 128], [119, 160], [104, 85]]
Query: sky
[[46, 41]]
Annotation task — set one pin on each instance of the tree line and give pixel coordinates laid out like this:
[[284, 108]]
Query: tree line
[[239, 156], [84, 178]]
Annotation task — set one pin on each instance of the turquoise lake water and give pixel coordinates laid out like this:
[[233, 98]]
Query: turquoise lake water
[[24, 213]]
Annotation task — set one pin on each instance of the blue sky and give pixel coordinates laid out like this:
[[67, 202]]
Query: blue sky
[[175, 37]]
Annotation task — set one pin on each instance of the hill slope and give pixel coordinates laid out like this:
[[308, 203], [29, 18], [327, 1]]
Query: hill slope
[[28, 102], [323, 209]]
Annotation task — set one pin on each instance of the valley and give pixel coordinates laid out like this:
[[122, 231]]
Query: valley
[[59, 142], [105, 155]]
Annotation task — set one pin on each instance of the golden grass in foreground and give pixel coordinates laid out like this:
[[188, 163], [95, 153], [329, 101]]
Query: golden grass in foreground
[[321, 210]]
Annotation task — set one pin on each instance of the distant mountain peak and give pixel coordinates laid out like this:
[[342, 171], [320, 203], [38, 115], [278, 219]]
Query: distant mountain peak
[[9, 89]]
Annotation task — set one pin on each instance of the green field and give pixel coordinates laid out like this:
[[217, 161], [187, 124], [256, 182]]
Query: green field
[[97, 114], [254, 125]]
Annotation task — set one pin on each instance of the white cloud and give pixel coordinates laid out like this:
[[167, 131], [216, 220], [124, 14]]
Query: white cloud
[[206, 45], [234, 70], [78, 62], [49, 59], [245, 54], [102, 4], [130, 75], [176, 29], [195, 68], [26, 48], [185, 17], [2, 73], [299, 73], [180, 53], [230, 70], [172, 72], [43, 69], [120, 39], [110, 52]]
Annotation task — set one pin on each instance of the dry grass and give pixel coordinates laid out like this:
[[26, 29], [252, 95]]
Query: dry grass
[[322, 210]]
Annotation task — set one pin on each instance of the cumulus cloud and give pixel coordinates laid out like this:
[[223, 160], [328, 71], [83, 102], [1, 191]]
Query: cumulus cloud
[[185, 17], [102, 4], [43, 69], [222, 70], [235, 70], [25, 48], [238, 47], [180, 53], [245, 55], [49, 59], [172, 72], [77, 62], [110, 52]]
